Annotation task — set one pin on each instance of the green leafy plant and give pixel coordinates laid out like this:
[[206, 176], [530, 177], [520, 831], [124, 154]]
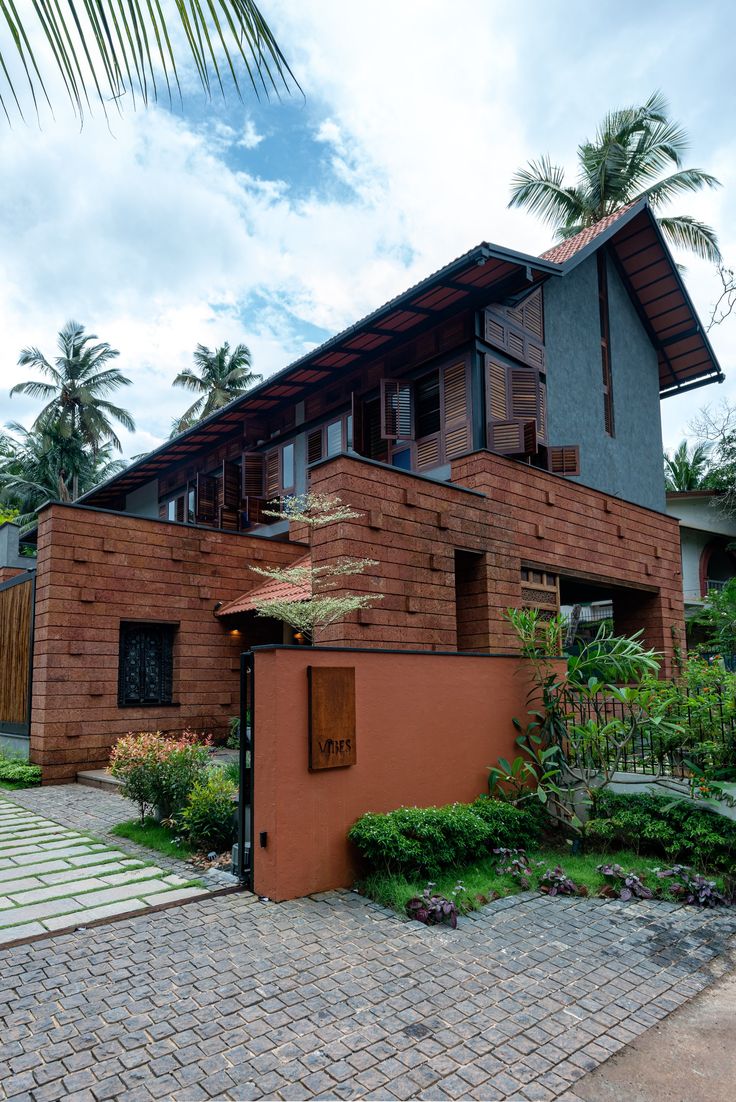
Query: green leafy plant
[[425, 840], [19, 774], [662, 825], [158, 771], [209, 816]]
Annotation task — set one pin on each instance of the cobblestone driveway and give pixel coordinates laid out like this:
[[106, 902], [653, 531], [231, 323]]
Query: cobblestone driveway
[[334, 998]]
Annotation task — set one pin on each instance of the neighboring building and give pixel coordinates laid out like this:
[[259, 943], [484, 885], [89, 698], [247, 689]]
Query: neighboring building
[[498, 427], [707, 538]]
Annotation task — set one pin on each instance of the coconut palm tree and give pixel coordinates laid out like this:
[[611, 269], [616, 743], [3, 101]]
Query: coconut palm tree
[[79, 378], [686, 470], [223, 375], [633, 148], [119, 53], [38, 465]]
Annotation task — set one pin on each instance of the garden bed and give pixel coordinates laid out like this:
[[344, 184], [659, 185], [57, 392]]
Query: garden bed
[[481, 883]]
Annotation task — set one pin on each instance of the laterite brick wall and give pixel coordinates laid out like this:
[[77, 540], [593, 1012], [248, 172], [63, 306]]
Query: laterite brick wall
[[516, 515], [96, 569]]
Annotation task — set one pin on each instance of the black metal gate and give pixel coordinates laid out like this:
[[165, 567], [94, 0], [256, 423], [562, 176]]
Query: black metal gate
[[245, 793]]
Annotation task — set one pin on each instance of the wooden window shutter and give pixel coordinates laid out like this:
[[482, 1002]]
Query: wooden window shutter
[[163, 511], [531, 444], [496, 330], [359, 423], [506, 437], [314, 446], [524, 394], [206, 499], [273, 484], [496, 390], [428, 452], [542, 419], [180, 509], [397, 410], [456, 411], [230, 483], [532, 310], [565, 460], [252, 474]]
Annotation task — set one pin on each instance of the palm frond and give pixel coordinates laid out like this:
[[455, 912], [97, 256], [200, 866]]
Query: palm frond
[[687, 179], [686, 232], [105, 49], [541, 187], [34, 388]]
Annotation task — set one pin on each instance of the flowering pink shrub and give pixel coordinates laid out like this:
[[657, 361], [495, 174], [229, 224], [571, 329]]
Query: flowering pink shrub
[[159, 771]]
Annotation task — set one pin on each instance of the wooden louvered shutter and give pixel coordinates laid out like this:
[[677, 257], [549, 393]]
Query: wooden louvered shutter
[[428, 452], [359, 425], [230, 485], [252, 474], [180, 508], [163, 511], [456, 411], [542, 419], [524, 394], [397, 410], [314, 446], [206, 499], [532, 310], [497, 399], [496, 330], [565, 460], [273, 484], [506, 437]]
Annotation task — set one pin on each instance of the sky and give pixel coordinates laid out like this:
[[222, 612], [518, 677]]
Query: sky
[[278, 223]]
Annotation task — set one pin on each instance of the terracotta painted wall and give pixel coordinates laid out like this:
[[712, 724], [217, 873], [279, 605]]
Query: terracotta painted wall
[[516, 515], [427, 726], [96, 569]]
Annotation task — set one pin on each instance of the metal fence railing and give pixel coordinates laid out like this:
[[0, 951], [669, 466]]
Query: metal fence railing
[[702, 737]]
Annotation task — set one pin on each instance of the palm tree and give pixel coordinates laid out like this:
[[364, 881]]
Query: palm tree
[[223, 375], [686, 470], [76, 407], [633, 147], [106, 49], [37, 466]]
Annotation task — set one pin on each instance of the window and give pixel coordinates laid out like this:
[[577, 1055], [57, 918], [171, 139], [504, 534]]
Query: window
[[287, 467], [334, 438], [427, 417], [146, 669], [608, 421]]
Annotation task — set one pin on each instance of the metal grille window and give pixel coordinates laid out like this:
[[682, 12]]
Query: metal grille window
[[145, 674]]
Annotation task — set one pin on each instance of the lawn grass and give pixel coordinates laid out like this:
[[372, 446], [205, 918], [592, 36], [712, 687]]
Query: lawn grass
[[154, 836], [480, 879]]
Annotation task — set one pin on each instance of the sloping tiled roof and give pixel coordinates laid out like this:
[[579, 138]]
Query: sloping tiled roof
[[563, 252], [271, 590]]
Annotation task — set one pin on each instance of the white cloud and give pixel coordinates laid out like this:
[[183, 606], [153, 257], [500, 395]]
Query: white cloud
[[167, 232]]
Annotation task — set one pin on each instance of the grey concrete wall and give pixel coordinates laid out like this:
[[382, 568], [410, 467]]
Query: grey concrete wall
[[143, 502], [628, 464]]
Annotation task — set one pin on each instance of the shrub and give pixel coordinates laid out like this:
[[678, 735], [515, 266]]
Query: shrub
[[659, 825], [209, 817], [426, 840], [19, 773], [158, 772]]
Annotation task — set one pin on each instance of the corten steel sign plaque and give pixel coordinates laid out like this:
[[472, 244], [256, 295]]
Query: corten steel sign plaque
[[331, 716]]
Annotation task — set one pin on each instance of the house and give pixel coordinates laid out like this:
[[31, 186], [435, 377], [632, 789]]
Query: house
[[497, 426], [707, 537]]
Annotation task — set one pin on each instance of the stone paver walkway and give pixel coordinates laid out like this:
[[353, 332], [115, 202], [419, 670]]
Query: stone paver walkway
[[96, 811], [53, 878], [333, 997]]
